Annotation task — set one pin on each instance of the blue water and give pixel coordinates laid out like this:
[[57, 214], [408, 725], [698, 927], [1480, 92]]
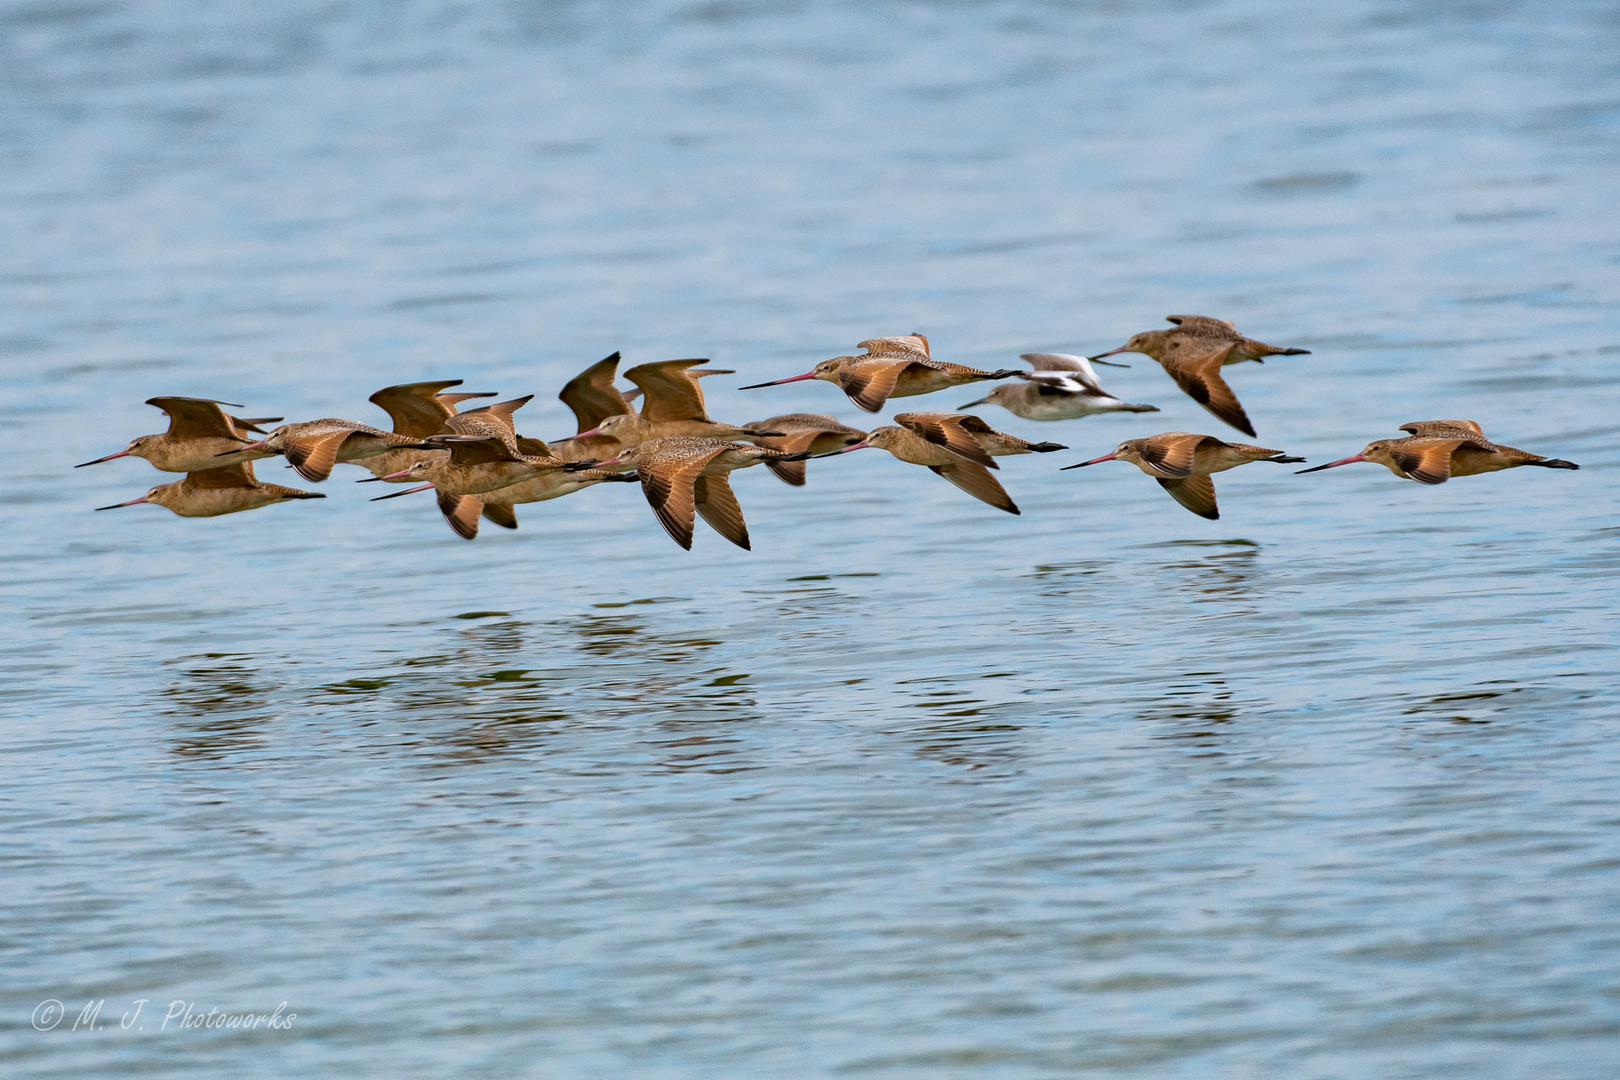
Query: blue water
[[915, 788]]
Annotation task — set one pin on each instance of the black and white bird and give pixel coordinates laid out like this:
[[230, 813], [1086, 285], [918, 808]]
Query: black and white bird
[[1059, 387]]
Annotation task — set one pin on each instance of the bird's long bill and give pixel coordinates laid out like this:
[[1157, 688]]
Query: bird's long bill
[[402, 474], [1093, 461], [250, 446], [1110, 352], [1351, 460], [407, 491], [601, 464], [1107, 363], [779, 382], [98, 461], [132, 502], [862, 445], [579, 435], [969, 405]]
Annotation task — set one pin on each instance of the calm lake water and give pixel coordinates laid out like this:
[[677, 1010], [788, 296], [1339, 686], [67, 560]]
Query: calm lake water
[[916, 789]]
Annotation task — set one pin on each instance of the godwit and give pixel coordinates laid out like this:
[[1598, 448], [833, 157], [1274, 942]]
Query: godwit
[[684, 475], [970, 437], [813, 432], [497, 506], [1182, 462], [1060, 387], [1193, 355], [1437, 450], [418, 410], [892, 367], [477, 465], [593, 398], [228, 489], [672, 405], [314, 446], [492, 422], [970, 476], [201, 437]]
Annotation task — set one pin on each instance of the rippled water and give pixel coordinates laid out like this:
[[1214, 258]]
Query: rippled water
[[914, 789]]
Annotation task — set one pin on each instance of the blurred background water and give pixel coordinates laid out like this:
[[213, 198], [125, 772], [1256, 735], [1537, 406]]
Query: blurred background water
[[916, 788]]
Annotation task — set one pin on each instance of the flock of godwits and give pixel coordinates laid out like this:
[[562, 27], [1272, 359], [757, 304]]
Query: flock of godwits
[[479, 465]]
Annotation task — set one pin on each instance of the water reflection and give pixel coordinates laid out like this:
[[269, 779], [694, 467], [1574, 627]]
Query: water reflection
[[1063, 579], [484, 740], [220, 703], [511, 687], [958, 727], [1197, 711], [1227, 574]]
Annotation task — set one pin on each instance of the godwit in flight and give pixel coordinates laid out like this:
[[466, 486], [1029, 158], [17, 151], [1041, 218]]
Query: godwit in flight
[[228, 489], [201, 436], [1437, 450], [892, 367], [1182, 463], [1193, 354]]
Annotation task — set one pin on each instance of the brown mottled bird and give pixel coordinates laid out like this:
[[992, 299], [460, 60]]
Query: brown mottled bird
[[228, 489], [476, 465], [497, 506], [685, 475], [1193, 355], [201, 436], [813, 432], [314, 446], [1182, 462], [969, 475], [1437, 450], [420, 411], [892, 367], [593, 398], [672, 404], [970, 437]]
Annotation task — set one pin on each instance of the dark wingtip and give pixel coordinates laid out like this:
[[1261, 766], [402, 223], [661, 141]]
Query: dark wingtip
[[1284, 460], [1008, 373], [1046, 447], [1555, 463], [1213, 515], [307, 495], [1295, 352]]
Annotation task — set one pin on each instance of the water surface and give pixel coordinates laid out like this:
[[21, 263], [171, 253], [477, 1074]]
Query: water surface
[[915, 788]]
